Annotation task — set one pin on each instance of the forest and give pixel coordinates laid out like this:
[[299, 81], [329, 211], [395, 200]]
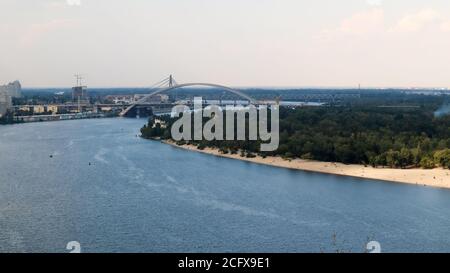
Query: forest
[[396, 137]]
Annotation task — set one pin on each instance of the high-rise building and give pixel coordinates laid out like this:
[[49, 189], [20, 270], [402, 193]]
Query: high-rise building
[[5, 103], [7, 93], [79, 93], [13, 89]]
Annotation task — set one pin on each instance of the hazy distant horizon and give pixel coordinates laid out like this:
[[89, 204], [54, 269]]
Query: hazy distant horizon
[[262, 43], [252, 87]]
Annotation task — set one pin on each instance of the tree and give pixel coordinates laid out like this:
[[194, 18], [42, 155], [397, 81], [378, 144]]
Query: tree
[[398, 138], [442, 158], [427, 162], [393, 159], [406, 157]]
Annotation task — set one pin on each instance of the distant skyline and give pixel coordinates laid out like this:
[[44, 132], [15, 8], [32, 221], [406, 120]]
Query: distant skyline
[[242, 43]]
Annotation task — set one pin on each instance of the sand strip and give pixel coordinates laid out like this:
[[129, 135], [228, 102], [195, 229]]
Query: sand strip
[[434, 178]]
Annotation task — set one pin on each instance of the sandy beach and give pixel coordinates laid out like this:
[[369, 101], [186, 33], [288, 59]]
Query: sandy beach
[[433, 178]]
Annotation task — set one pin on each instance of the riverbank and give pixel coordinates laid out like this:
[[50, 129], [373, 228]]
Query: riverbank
[[433, 178], [59, 117]]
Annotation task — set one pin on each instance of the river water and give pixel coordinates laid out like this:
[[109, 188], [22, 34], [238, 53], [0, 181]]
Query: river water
[[96, 182]]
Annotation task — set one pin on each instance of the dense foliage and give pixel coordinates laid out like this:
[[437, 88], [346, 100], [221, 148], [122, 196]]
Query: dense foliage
[[377, 136]]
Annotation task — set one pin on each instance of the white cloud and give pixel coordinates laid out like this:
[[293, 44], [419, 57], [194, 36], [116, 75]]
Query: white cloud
[[370, 21], [73, 2], [374, 2], [373, 21], [445, 26], [417, 21], [363, 22]]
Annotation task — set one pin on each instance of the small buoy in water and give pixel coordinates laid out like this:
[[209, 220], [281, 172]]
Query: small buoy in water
[[51, 156], [90, 164]]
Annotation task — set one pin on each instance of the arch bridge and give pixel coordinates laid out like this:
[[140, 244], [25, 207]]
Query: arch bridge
[[173, 85]]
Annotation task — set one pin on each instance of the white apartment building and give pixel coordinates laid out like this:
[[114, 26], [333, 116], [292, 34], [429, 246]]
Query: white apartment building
[[7, 92]]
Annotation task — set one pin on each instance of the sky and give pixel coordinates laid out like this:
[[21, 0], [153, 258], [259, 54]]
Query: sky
[[239, 43]]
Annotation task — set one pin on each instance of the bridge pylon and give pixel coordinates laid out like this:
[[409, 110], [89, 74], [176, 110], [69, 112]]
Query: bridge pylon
[[169, 83]]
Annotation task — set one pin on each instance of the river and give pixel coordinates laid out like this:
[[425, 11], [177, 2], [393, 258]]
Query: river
[[96, 182]]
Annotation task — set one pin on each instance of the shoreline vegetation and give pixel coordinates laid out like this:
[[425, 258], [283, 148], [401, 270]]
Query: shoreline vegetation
[[398, 144], [438, 177]]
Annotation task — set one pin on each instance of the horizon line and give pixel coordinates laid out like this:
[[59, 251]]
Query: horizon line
[[263, 87]]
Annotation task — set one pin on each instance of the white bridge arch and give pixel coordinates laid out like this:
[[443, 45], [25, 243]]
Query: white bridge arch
[[231, 90]]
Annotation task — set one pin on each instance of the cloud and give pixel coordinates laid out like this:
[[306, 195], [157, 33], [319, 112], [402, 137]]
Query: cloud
[[363, 22], [445, 26], [73, 2], [370, 21], [417, 21], [374, 2], [373, 21]]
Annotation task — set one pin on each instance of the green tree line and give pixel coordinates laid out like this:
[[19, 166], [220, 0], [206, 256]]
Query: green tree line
[[376, 136]]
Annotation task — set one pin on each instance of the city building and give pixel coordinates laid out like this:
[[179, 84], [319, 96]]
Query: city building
[[137, 97], [7, 93], [53, 109], [158, 98], [106, 109], [164, 97], [79, 93], [129, 99], [121, 99], [13, 89], [5, 103], [25, 108], [38, 109]]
